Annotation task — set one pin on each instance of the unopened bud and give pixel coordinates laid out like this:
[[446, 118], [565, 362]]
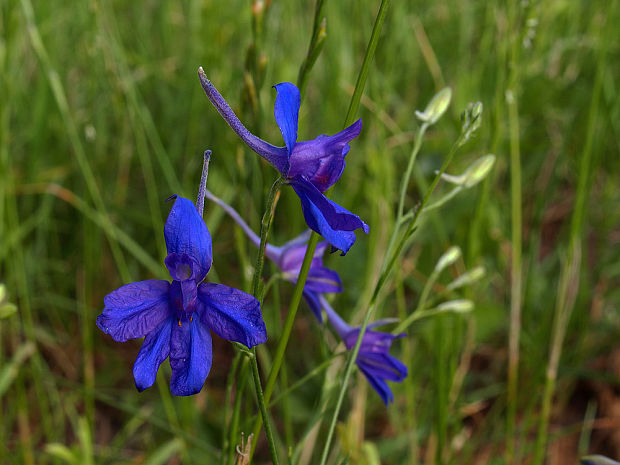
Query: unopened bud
[[448, 258], [457, 306], [478, 170], [471, 119], [436, 107], [467, 278]]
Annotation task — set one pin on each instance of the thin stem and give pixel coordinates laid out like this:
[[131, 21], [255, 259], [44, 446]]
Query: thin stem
[[407, 177], [288, 325], [263, 409], [319, 32], [368, 57], [264, 232], [257, 292], [353, 107], [516, 253]]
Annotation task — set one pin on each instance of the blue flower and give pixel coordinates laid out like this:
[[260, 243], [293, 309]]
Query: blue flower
[[310, 167], [373, 358], [176, 319], [289, 258]]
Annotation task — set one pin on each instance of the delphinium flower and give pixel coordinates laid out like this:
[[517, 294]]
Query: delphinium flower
[[177, 318], [373, 358], [310, 167], [289, 258]]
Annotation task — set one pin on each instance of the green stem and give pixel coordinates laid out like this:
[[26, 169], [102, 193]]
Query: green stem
[[263, 409], [288, 327], [257, 292], [264, 232], [516, 252], [368, 57], [314, 49]]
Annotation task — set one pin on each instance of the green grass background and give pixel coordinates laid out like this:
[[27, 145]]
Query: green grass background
[[103, 118]]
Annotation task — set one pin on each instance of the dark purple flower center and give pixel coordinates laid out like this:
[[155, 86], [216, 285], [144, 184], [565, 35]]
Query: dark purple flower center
[[183, 295]]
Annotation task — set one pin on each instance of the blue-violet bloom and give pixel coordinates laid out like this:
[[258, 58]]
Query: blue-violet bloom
[[373, 358], [289, 258], [176, 319], [310, 167]]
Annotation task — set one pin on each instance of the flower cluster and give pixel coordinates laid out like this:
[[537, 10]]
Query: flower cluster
[[176, 318], [373, 358]]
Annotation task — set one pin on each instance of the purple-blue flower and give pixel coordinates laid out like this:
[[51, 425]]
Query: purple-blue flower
[[289, 258], [176, 319], [373, 358], [310, 167]]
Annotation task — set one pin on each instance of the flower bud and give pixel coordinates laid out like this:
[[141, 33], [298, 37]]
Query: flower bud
[[467, 278], [457, 306], [436, 107], [478, 170], [470, 119], [448, 258]]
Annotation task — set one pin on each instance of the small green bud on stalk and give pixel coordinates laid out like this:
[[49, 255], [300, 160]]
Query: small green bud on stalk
[[436, 107], [449, 257]]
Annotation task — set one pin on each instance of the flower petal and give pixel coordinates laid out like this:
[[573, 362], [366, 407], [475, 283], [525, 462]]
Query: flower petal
[[314, 303], [323, 280], [292, 256], [154, 351], [191, 355], [134, 310], [321, 161], [187, 233], [231, 314], [379, 385], [286, 111], [327, 218], [383, 365]]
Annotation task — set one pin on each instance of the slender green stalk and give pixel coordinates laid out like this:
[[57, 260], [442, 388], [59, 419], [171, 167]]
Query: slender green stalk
[[314, 238], [368, 57], [319, 33], [288, 327], [264, 232], [569, 279], [516, 239], [373, 301], [257, 292]]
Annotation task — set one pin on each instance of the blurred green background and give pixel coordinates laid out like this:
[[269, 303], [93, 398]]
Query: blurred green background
[[103, 118]]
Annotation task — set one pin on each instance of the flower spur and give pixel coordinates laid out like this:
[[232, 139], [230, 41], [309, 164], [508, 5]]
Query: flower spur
[[310, 167], [176, 318], [373, 358]]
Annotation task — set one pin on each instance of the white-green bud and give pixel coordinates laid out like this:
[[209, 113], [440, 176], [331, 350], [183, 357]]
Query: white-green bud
[[436, 107], [470, 120], [7, 309], [474, 173], [478, 170], [457, 306], [448, 258], [467, 278]]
